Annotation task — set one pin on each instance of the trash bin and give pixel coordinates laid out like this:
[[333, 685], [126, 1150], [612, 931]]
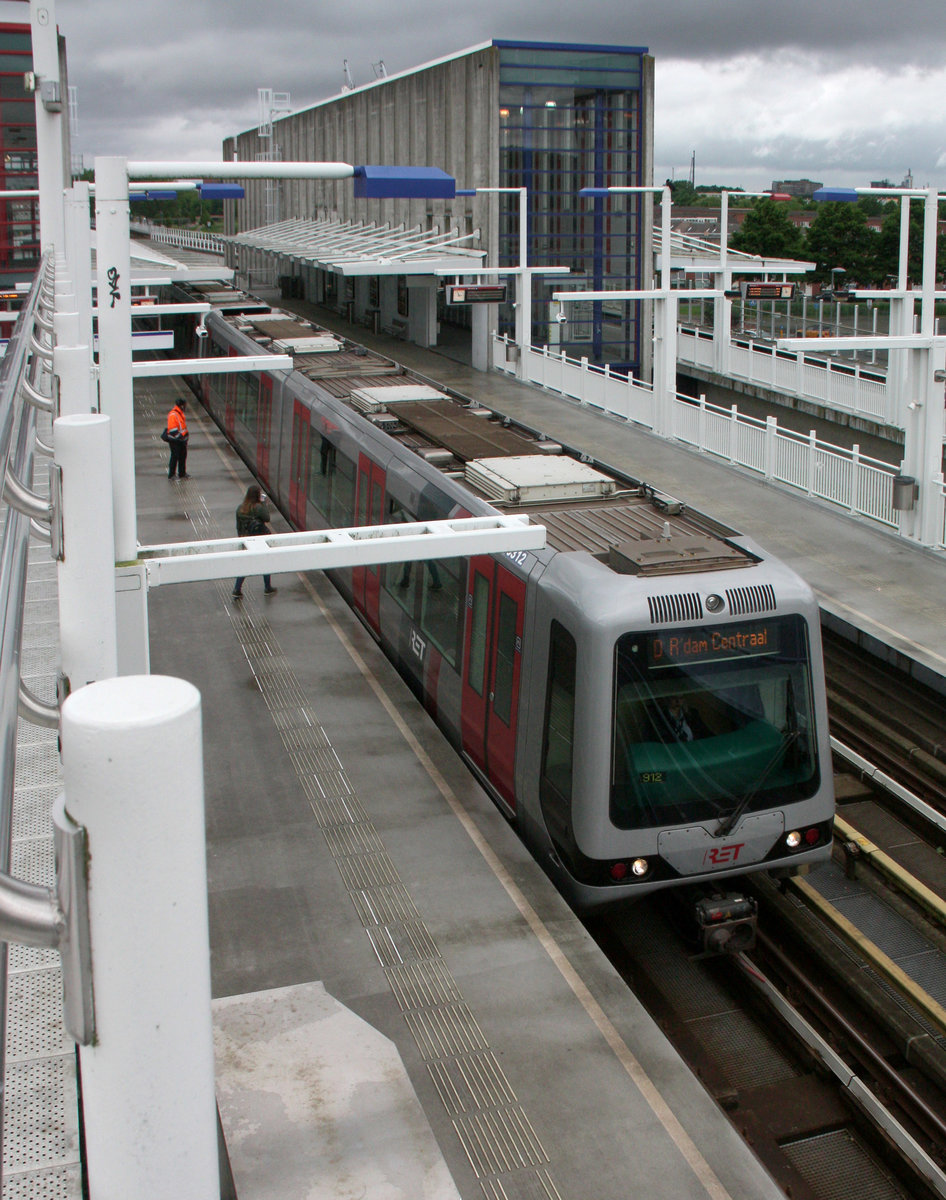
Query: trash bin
[[904, 492], [512, 353]]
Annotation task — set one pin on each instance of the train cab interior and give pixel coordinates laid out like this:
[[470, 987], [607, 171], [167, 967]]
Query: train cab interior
[[691, 740]]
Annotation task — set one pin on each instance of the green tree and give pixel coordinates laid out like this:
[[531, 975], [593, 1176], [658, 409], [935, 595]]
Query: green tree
[[768, 231], [682, 192], [887, 252], [839, 236]]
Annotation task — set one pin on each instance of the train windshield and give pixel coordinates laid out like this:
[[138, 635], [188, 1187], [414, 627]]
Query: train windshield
[[712, 722]]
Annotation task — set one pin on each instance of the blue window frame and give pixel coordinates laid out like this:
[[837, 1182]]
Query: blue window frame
[[570, 117]]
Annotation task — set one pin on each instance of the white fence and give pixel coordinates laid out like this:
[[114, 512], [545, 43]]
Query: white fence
[[841, 387], [853, 482], [185, 239]]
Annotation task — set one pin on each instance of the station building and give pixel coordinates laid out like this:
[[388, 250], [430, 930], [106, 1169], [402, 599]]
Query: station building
[[549, 117], [19, 215]]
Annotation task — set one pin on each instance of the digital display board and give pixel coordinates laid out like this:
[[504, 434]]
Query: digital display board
[[769, 291], [476, 293], [691, 646]]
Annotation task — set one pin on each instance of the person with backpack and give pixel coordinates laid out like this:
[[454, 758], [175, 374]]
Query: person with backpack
[[252, 519]]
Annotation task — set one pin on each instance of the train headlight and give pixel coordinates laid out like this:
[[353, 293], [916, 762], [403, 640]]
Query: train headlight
[[715, 603], [640, 867], [793, 839]]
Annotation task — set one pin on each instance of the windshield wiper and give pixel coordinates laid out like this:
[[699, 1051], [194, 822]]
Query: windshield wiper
[[729, 822]]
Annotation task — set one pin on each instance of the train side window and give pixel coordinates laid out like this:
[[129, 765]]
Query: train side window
[[397, 577], [247, 401], [321, 471], [479, 618], [559, 734], [505, 658], [440, 603], [343, 493]]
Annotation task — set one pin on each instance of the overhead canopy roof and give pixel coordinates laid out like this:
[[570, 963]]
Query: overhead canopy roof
[[350, 248], [690, 253]]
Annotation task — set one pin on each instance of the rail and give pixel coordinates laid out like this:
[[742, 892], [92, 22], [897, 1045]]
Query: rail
[[841, 387], [845, 479], [186, 239], [29, 914]]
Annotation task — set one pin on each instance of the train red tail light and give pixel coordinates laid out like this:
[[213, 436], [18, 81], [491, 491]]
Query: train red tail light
[[618, 871], [804, 840]]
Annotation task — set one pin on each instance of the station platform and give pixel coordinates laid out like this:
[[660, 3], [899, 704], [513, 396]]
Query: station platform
[[884, 592], [404, 1006]]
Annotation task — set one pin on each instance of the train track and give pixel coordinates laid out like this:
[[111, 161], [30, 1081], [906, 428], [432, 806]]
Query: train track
[[828, 1059], [838, 1086], [895, 723]]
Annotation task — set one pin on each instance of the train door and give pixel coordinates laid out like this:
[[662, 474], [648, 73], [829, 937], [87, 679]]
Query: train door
[[369, 510], [492, 656], [298, 462], [229, 400], [264, 427]]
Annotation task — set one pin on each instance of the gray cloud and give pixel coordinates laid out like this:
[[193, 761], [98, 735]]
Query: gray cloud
[[171, 80]]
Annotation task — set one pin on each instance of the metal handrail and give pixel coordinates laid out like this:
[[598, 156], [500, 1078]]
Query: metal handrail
[[29, 913]]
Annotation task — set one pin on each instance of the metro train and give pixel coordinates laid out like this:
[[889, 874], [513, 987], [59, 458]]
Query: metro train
[[644, 697]]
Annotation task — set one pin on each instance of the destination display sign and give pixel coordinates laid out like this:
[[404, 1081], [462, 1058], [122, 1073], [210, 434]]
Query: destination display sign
[[689, 646], [769, 291], [476, 293]]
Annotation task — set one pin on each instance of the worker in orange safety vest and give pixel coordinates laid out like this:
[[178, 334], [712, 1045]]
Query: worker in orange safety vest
[[177, 440]]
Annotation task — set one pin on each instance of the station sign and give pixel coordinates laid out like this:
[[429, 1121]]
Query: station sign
[[476, 293], [691, 646], [767, 291]]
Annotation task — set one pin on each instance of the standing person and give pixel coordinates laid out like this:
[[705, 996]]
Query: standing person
[[252, 519], [177, 439]]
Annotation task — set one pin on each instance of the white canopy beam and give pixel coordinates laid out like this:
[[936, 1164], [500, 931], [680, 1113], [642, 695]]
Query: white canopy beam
[[323, 550]]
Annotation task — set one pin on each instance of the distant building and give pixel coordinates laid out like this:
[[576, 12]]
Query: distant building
[[549, 117], [19, 218], [804, 188]]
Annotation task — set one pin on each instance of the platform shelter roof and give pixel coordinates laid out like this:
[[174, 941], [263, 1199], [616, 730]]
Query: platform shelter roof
[[696, 254], [361, 248]]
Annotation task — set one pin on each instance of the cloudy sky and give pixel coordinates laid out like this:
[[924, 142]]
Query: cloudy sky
[[844, 91]]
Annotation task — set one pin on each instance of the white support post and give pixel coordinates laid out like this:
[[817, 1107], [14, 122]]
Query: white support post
[[72, 364], [87, 623], [133, 775], [524, 311], [116, 396], [929, 516], [79, 255], [483, 321], [113, 277], [50, 106], [771, 446], [665, 358]]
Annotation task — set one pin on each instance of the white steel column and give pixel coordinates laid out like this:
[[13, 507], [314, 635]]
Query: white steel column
[[483, 322], [87, 626], [49, 140], [113, 278], [722, 305], [665, 358], [79, 254], [930, 514], [133, 772]]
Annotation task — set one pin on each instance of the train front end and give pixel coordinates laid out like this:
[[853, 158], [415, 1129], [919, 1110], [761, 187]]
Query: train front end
[[699, 747]]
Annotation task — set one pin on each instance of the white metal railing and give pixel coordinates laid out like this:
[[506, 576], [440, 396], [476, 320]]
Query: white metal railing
[[185, 239], [847, 479], [844, 387]]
